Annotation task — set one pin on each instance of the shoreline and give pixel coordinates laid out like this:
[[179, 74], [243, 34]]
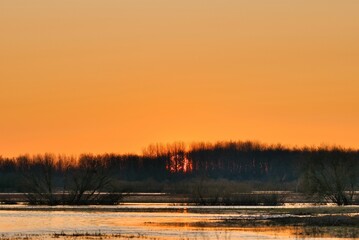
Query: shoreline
[[288, 198]]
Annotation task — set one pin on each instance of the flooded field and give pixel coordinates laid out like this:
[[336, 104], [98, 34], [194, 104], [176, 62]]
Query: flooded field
[[169, 221]]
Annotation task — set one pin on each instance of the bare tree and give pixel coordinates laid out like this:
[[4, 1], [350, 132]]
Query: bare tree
[[39, 178], [332, 176], [90, 180], [86, 182]]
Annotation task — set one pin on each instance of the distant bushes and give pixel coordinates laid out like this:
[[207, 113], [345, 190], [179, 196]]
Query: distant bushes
[[332, 176], [249, 199], [224, 192], [54, 181]]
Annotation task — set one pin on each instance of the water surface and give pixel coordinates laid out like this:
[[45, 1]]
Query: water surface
[[138, 221]]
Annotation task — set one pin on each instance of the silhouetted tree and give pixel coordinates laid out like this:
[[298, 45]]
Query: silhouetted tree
[[90, 179], [39, 175], [332, 175]]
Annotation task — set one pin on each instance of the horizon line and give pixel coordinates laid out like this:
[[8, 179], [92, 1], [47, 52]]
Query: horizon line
[[190, 145]]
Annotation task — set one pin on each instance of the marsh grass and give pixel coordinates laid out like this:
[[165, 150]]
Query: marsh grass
[[76, 235], [238, 200], [320, 226]]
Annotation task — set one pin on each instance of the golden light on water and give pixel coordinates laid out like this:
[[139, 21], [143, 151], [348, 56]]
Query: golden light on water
[[115, 76]]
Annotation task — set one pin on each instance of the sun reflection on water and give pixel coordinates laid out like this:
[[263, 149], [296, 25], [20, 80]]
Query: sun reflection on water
[[150, 223]]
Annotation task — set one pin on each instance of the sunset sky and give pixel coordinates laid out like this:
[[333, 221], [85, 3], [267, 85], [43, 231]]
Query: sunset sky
[[116, 75]]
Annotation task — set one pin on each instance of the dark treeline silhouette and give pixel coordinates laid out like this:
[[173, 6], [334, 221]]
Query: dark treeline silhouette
[[233, 161]]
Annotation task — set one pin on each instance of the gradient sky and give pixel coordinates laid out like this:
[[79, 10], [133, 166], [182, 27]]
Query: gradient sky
[[116, 75]]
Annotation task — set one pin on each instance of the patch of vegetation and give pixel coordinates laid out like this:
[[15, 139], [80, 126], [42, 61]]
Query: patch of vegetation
[[221, 192]]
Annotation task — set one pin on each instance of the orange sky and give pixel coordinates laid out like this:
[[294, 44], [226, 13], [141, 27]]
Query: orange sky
[[116, 75]]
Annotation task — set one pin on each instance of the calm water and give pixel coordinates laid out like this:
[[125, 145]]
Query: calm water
[[129, 220]]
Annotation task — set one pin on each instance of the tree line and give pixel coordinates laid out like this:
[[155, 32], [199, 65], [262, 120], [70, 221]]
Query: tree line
[[328, 172]]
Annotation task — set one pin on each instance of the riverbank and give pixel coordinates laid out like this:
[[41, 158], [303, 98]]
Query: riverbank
[[253, 198]]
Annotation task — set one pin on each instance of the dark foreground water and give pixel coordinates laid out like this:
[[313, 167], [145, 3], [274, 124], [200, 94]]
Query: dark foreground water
[[136, 221]]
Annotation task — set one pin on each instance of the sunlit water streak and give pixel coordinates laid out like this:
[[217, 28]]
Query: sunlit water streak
[[38, 220]]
